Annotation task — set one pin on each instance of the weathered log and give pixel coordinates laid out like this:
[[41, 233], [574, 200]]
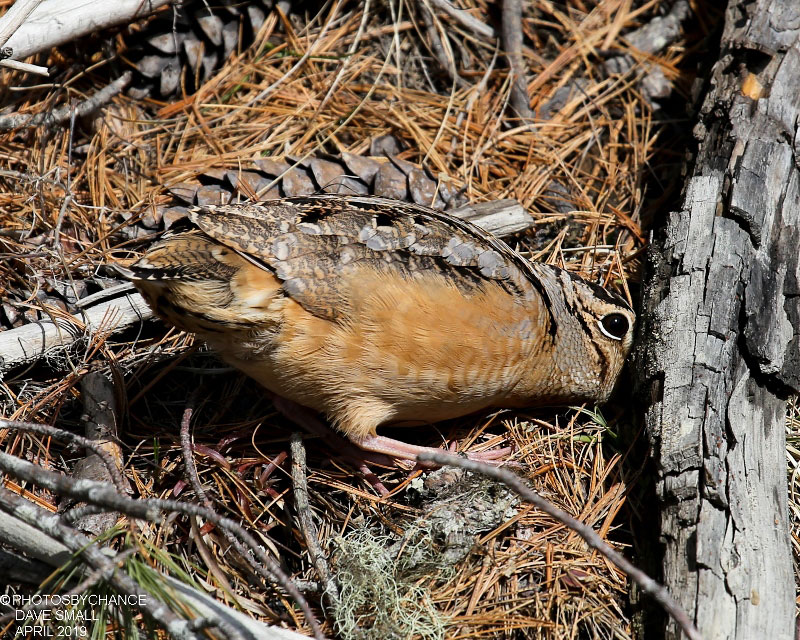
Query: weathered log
[[30, 342], [58, 21], [719, 330]]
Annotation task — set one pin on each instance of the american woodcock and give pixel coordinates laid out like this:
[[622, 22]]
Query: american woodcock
[[373, 311]]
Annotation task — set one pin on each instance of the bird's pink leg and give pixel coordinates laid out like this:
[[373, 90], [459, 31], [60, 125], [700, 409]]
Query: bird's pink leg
[[379, 450], [404, 451], [307, 419]]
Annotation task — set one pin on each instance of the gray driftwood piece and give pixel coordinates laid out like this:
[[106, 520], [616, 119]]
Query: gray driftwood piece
[[45, 338], [55, 22], [501, 217], [719, 334], [31, 342]]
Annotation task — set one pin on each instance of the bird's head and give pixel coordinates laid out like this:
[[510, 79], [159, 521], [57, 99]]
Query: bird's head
[[592, 331]]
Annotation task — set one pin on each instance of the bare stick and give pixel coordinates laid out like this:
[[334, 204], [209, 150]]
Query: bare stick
[[515, 483], [465, 18], [512, 43], [68, 437], [27, 67], [64, 113], [188, 458], [307, 526]]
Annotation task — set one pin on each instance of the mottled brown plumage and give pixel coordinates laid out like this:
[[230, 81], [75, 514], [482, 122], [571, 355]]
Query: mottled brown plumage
[[373, 311]]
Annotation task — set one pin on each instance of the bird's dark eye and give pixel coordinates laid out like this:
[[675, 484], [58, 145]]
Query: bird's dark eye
[[614, 325]]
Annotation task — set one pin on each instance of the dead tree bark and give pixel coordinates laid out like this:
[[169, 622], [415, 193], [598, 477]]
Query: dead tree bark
[[719, 333]]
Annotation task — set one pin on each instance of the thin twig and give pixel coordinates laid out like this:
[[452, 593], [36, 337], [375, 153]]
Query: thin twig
[[194, 480], [512, 43], [444, 58], [186, 450], [62, 435], [110, 292], [515, 483], [60, 220], [347, 59], [307, 526], [63, 113], [466, 19], [26, 67]]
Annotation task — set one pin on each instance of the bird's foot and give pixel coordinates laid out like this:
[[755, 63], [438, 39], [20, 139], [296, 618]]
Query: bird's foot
[[402, 451]]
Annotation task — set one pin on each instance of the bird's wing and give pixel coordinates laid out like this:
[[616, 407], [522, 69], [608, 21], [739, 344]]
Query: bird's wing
[[313, 243]]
